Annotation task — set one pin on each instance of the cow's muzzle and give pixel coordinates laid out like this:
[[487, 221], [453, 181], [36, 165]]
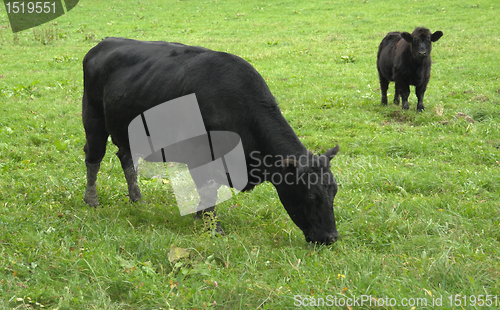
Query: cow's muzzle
[[323, 238]]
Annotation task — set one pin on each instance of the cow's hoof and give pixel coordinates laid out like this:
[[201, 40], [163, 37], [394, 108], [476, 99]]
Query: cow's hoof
[[218, 229], [136, 199], [211, 227], [134, 195], [210, 222], [92, 202], [90, 196], [198, 215]]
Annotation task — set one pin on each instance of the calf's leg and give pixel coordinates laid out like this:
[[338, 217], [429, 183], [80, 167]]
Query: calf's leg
[[419, 91], [396, 96], [404, 91], [384, 85]]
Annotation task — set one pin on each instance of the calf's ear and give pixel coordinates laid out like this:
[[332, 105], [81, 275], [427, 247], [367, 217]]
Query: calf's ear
[[436, 35], [330, 154], [407, 37]]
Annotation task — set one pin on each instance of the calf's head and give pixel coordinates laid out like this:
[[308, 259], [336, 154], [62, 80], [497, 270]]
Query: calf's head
[[307, 190], [421, 41]]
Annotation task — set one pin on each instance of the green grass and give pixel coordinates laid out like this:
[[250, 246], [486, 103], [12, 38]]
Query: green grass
[[418, 203]]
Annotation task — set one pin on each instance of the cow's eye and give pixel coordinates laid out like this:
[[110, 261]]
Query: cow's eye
[[311, 197]]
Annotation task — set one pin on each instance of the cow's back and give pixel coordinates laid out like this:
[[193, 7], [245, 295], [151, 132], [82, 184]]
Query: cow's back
[[123, 78], [117, 65]]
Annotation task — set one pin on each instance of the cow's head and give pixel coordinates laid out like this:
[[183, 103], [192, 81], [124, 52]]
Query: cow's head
[[421, 41], [307, 191]]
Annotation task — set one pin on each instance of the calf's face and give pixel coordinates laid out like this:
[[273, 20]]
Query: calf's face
[[307, 193], [421, 41]]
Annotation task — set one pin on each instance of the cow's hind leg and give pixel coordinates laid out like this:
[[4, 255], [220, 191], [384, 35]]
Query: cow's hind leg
[[130, 174], [95, 149], [90, 196]]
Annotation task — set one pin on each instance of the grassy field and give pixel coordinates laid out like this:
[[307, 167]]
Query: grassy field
[[418, 207]]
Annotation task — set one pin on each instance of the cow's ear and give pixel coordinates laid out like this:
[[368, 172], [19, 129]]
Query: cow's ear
[[290, 164], [407, 37], [436, 35], [330, 154]]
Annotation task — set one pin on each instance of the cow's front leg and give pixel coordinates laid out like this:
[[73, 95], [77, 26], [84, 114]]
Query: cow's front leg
[[130, 174], [208, 199]]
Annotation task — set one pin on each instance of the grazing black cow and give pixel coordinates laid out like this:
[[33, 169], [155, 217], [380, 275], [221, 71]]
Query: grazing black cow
[[406, 59], [123, 78]]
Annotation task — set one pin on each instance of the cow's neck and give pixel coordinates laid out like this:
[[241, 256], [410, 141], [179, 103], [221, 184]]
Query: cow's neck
[[277, 141]]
